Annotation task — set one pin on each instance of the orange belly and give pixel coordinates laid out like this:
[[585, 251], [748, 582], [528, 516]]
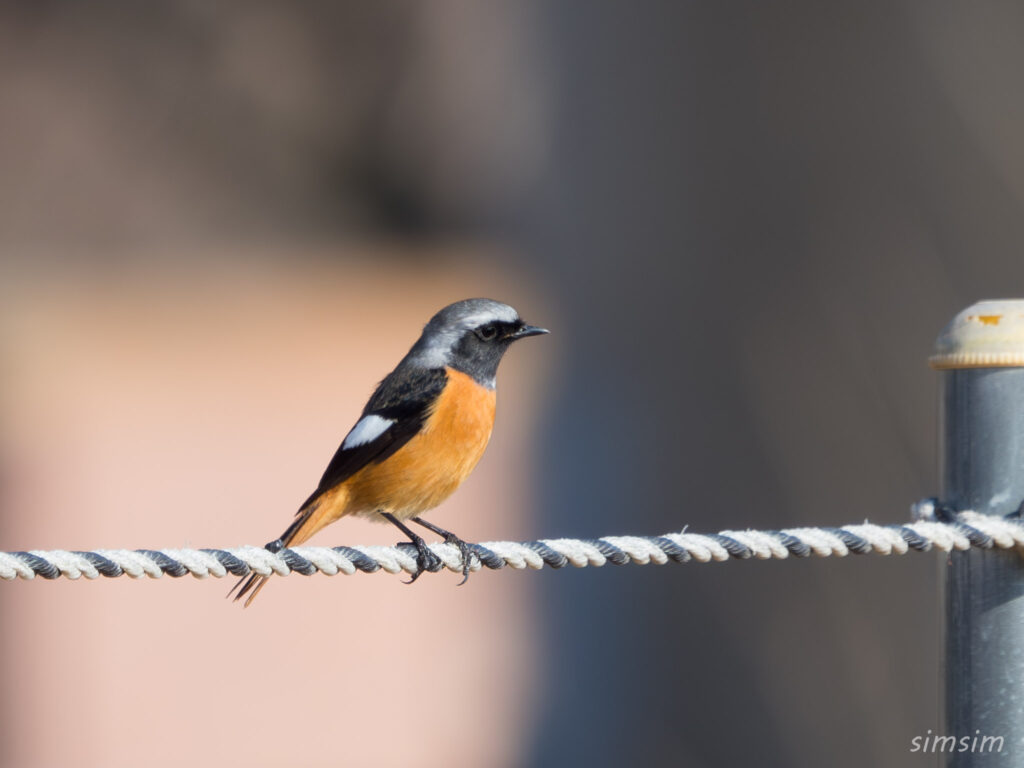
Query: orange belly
[[427, 470]]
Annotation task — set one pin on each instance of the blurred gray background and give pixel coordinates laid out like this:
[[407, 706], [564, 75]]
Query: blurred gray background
[[747, 222]]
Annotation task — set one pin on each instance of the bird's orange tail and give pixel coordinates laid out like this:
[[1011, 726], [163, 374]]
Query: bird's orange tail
[[314, 515]]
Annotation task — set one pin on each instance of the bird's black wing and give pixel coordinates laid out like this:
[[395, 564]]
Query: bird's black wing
[[405, 397]]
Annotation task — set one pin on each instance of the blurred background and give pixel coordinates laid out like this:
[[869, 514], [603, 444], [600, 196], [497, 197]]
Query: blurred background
[[222, 224]]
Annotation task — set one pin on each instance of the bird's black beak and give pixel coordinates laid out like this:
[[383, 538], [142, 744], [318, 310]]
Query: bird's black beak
[[528, 330]]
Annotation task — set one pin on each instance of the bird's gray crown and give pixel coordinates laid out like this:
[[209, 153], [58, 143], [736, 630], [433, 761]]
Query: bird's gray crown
[[470, 313]]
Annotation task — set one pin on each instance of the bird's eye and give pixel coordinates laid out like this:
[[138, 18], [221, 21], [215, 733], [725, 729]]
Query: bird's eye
[[487, 332]]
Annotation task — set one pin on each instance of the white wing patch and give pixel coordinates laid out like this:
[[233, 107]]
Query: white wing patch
[[368, 429]]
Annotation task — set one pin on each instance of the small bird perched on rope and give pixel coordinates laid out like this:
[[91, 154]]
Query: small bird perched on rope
[[420, 435]]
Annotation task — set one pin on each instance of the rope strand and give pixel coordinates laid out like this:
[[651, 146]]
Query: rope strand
[[934, 526]]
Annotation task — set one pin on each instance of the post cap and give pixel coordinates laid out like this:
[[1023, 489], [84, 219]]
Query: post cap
[[989, 334]]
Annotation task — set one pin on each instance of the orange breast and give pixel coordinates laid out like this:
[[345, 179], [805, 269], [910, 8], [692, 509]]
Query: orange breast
[[427, 470]]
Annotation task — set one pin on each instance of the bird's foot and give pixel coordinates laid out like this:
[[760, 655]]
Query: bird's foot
[[425, 559], [450, 538], [464, 552]]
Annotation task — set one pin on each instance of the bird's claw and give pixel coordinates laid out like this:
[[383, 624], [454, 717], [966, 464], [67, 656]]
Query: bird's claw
[[464, 552], [426, 560]]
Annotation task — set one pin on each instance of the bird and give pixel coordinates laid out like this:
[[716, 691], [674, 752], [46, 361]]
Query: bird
[[422, 432]]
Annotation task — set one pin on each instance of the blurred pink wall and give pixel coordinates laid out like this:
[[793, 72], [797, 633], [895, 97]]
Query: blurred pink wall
[[197, 405]]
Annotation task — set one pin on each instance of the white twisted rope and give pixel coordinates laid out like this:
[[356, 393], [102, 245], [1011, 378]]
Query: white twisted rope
[[958, 531]]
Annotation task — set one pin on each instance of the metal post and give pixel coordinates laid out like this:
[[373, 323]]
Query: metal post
[[981, 356]]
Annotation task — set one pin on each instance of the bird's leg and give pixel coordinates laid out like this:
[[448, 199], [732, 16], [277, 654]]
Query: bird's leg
[[451, 538], [425, 559]]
